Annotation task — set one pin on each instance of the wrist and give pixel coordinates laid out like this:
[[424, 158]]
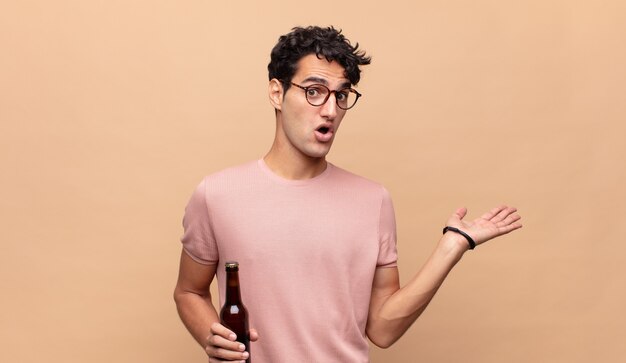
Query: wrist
[[468, 238], [453, 244]]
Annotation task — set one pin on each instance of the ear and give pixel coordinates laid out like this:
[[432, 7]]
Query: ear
[[276, 93]]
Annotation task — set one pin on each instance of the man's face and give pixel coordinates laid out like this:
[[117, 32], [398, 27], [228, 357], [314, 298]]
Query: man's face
[[306, 129]]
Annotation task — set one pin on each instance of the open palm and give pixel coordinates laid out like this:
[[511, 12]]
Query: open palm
[[498, 221]]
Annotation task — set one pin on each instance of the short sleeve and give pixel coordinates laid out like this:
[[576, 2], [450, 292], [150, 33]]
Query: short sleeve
[[198, 240], [387, 254]]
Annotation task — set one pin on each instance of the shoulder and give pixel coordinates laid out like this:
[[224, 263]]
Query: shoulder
[[358, 183], [230, 179], [233, 174]]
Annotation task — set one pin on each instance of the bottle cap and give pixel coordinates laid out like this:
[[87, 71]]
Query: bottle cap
[[232, 265]]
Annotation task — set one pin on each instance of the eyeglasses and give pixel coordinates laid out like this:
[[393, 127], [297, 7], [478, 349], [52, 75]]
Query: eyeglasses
[[318, 94]]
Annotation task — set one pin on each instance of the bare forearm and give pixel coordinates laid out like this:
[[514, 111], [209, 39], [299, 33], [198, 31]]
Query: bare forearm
[[394, 309], [400, 310], [417, 293], [197, 313]]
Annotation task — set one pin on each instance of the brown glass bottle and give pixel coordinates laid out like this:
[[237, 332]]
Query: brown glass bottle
[[234, 315]]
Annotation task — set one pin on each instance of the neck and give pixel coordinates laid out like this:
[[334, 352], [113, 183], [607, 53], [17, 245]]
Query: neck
[[294, 166], [233, 295]]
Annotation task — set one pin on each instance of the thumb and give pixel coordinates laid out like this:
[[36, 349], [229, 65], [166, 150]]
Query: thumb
[[461, 212], [455, 218]]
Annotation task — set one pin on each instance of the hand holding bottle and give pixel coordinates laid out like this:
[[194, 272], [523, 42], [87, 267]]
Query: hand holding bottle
[[230, 339], [222, 346]]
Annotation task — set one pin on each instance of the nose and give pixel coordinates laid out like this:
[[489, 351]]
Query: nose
[[329, 109]]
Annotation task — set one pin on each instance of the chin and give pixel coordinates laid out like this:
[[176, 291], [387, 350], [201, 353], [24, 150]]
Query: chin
[[316, 150], [317, 154]]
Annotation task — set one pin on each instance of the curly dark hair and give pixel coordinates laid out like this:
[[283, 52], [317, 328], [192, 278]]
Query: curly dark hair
[[328, 43]]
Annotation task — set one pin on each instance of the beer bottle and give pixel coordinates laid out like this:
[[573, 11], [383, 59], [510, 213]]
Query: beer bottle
[[234, 315]]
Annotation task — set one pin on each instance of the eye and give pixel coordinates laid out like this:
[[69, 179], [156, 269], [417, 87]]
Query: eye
[[312, 91], [316, 91], [342, 95]]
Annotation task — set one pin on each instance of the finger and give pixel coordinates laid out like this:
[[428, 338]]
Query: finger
[[510, 219], [221, 330], [226, 354], [216, 342], [493, 212], [254, 335], [456, 217], [509, 228], [506, 212], [219, 360], [461, 212], [503, 214]]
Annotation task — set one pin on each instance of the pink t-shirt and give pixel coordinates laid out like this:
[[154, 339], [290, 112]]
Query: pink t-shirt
[[307, 250]]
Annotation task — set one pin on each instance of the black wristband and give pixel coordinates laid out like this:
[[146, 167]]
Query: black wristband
[[471, 242]]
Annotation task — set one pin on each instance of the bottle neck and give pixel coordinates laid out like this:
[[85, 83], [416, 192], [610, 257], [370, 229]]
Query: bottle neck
[[232, 287]]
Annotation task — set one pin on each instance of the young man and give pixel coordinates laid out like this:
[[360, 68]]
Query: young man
[[316, 244]]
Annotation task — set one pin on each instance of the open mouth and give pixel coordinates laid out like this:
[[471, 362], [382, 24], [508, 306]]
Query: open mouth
[[324, 133], [323, 130]]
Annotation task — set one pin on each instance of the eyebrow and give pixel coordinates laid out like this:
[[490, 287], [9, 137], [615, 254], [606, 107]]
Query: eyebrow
[[325, 82]]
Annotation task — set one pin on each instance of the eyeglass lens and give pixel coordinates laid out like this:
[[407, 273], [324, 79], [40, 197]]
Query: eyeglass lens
[[318, 94]]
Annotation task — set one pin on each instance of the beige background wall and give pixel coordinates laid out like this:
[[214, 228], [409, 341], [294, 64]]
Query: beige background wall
[[111, 112]]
